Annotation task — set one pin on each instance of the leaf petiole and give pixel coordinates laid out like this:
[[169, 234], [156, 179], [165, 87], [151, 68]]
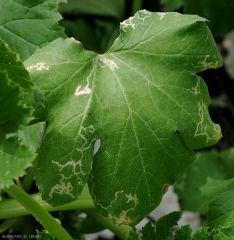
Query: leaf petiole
[[47, 221], [11, 208]]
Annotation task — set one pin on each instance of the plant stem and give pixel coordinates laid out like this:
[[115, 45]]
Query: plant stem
[[12, 208], [6, 224], [28, 179], [120, 231], [17, 181], [47, 221], [136, 6]]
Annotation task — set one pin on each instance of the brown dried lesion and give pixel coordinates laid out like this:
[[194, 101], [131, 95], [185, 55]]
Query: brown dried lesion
[[124, 219], [165, 188]]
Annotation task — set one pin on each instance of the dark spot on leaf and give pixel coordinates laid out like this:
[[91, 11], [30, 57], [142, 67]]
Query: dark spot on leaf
[[165, 188], [177, 132]]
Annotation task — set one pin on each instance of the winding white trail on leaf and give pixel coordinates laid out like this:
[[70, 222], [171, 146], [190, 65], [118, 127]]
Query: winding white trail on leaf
[[108, 63], [201, 129], [86, 89], [39, 66], [140, 15], [65, 186]]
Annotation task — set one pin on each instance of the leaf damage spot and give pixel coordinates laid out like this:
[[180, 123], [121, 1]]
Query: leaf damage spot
[[76, 41], [117, 194], [38, 67], [162, 15], [130, 197], [196, 90], [177, 132], [165, 188], [72, 163], [123, 219], [140, 15], [86, 144], [85, 90], [62, 188], [73, 168], [201, 129], [208, 65], [109, 63]]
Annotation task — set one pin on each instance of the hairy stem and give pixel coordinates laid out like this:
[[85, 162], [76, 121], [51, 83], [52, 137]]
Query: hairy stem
[[47, 221]]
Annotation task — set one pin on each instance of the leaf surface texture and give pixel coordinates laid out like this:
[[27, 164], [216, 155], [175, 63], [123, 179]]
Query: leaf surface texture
[[141, 99]]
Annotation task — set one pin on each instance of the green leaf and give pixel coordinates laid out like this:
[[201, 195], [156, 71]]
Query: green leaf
[[202, 234], [133, 235], [221, 210], [17, 150], [165, 224], [15, 157], [225, 233], [12, 113], [228, 162], [208, 164], [143, 101], [10, 62], [163, 228], [213, 188], [219, 13], [146, 93], [185, 233], [30, 135], [14, 80], [56, 2], [28, 25], [173, 5], [67, 147], [212, 164], [148, 232]]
